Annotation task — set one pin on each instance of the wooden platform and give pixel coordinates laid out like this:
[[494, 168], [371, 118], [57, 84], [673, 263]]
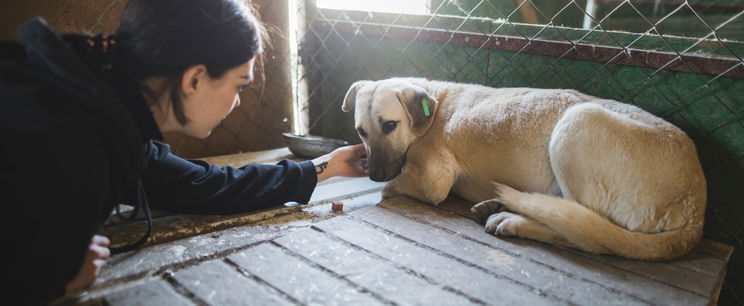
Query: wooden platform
[[397, 252]]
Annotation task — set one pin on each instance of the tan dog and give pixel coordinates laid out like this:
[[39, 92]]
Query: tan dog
[[568, 168]]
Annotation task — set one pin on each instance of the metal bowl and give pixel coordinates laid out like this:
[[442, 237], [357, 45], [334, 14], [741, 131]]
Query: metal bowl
[[312, 146]]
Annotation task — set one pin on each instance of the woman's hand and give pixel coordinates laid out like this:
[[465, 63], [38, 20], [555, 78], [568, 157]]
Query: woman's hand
[[349, 161], [96, 256]]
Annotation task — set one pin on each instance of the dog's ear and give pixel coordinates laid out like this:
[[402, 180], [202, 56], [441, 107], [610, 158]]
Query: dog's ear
[[420, 108], [350, 98]]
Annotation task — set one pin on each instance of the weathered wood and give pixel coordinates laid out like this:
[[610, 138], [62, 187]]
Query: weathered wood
[[344, 189], [304, 282], [701, 262], [156, 292], [258, 157], [399, 251], [389, 279], [323, 210], [715, 249], [174, 227], [170, 227], [217, 283], [545, 278], [695, 272], [635, 285], [463, 277], [688, 280], [155, 259]]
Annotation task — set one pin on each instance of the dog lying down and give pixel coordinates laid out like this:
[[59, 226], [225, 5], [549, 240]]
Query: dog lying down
[[552, 165]]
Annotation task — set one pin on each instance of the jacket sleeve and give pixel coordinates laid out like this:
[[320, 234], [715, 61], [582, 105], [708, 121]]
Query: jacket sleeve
[[194, 186]]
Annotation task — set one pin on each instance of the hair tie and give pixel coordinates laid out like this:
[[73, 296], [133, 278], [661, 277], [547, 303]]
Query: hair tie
[[102, 49]]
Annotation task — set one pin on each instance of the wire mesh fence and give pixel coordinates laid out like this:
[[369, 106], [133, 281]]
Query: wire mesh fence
[[681, 60]]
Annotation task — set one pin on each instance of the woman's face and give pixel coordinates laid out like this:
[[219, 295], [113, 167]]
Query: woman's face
[[215, 99]]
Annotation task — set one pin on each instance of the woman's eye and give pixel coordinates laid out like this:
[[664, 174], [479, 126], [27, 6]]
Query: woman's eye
[[389, 126], [242, 87]]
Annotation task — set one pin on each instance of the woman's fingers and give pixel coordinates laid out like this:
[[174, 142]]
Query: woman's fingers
[[99, 246], [347, 161], [99, 251], [359, 149], [95, 259], [101, 240]]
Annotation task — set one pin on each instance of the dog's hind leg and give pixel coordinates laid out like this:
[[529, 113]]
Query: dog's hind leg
[[500, 222], [631, 186], [633, 169], [511, 224]]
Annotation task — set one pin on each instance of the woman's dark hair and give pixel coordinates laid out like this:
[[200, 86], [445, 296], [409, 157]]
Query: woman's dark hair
[[165, 37]]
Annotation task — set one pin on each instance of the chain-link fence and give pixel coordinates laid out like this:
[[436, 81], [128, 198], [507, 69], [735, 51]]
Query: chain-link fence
[[681, 60]]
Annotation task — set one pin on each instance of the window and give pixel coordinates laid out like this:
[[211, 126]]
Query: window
[[390, 6]]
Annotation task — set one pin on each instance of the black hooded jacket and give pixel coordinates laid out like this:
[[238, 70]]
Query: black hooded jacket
[[74, 141]]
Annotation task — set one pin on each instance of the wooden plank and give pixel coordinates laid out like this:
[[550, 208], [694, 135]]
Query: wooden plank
[[217, 283], [544, 278], [694, 272], [350, 204], [306, 283], [333, 180], [126, 210], [701, 262], [434, 265], [147, 261], [258, 157], [344, 188], [560, 259], [175, 227], [353, 192], [126, 267], [692, 281], [157, 292], [715, 249], [388, 279]]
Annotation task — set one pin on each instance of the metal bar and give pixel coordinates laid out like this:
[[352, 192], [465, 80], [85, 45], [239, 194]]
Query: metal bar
[[707, 6], [599, 53]]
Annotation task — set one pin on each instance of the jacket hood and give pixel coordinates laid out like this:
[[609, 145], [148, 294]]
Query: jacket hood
[[55, 65]]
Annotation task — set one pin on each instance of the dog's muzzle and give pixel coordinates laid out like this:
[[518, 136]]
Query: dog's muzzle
[[384, 174], [378, 176]]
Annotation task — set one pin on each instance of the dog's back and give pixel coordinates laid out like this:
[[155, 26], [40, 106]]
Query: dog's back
[[500, 134]]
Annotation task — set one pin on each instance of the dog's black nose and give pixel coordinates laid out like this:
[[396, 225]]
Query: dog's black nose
[[377, 177]]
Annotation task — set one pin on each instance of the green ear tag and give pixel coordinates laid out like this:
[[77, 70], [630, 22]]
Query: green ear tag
[[426, 107]]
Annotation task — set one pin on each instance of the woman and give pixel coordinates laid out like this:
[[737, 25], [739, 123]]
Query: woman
[[78, 116]]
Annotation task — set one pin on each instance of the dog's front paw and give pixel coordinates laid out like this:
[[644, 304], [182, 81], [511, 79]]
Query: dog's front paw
[[485, 209], [504, 224]]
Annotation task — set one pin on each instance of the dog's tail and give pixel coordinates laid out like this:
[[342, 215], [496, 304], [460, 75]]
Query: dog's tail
[[595, 233]]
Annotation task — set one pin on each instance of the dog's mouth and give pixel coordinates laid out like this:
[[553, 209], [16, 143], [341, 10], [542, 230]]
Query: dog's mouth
[[380, 176], [383, 179], [388, 173]]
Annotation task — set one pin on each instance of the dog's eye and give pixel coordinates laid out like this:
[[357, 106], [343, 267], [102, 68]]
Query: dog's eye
[[362, 132], [389, 126]]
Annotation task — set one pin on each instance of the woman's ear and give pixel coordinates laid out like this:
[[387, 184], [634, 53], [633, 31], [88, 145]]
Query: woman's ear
[[193, 78]]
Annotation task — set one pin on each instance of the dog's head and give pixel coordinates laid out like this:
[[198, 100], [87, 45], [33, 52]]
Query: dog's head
[[389, 116]]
